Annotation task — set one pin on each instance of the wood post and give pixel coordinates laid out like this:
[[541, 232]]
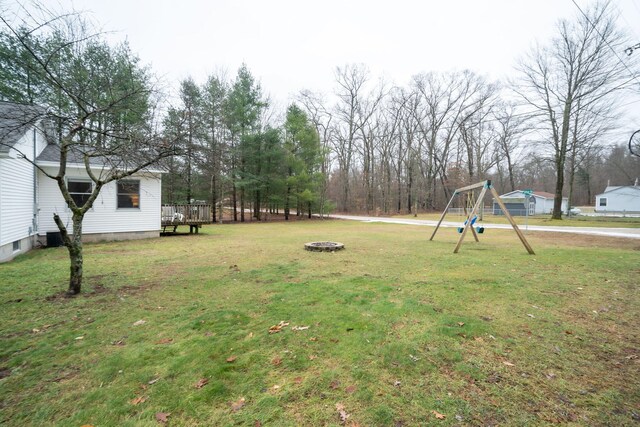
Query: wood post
[[455, 193], [512, 222]]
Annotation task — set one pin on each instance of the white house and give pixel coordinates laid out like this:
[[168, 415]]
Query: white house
[[126, 209], [18, 178], [539, 203], [619, 199]]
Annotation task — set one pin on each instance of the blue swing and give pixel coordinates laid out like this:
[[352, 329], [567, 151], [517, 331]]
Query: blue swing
[[473, 221]]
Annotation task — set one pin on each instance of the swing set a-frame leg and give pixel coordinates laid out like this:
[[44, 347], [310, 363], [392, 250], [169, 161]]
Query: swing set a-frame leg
[[444, 213], [512, 222]]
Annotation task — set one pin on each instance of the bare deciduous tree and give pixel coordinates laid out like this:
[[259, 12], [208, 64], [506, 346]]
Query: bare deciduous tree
[[99, 101], [578, 70]]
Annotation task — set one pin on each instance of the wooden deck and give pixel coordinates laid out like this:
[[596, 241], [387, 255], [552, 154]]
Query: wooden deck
[[192, 215]]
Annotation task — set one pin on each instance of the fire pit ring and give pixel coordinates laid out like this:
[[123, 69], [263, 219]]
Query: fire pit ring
[[323, 246]]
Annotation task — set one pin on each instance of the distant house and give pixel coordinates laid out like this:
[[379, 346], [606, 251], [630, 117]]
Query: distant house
[[126, 209], [539, 203], [619, 199]]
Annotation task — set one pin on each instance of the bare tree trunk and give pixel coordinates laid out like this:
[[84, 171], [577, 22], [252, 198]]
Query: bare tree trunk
[[74, 246], [234, 196]]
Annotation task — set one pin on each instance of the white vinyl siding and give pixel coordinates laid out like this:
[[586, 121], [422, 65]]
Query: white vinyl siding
[[619, 199], [104, 217], [16, 192]]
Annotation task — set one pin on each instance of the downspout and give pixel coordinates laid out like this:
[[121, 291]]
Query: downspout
[[34, 219]]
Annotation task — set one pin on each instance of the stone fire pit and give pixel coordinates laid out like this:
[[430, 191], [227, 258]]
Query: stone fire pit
[[323, 246]]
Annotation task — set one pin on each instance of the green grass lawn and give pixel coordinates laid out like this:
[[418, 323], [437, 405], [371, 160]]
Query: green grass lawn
[[400, 330]]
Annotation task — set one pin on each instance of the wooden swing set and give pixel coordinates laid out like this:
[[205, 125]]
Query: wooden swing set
[[471, 209]]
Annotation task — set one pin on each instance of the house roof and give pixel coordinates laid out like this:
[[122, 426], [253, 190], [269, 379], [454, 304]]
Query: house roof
[[545, 194], [612, 189], [15, 121], [51, 153], [542, 194], [75, 156]]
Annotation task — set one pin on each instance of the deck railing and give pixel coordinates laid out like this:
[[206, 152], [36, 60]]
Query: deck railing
[[186, 214]]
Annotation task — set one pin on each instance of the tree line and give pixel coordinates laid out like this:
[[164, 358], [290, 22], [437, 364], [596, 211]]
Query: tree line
[[233, 157]]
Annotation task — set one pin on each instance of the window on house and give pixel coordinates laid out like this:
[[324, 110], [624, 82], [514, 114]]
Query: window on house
[[603, 202], [128, 194], [80, 190], [16, 246]]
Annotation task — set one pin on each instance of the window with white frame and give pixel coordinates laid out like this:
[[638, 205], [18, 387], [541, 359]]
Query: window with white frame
[[603, 202], [80, 190], [16, 246], [128, 194]]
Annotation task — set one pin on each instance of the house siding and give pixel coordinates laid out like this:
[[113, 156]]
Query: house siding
[[17, 209], [620, 199], [104, 217], [543, 205]]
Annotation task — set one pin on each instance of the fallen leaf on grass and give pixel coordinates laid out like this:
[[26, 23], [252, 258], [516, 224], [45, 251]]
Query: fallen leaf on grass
[[138, 400], [79, 338], [334, 384], [531, 315], [153, 381], [439, 415], [276, 387], [568, 332], [162, 417], [139, 322], [201, 383], [508, 363], [277, 328], [257, 423], [350, 389], [299, 328], [342, 413], [276, 361], [313, 339], [165, 341], [231, 359], [312, 357], [237, 405], [461, 324], [297, 380], [397, 383]]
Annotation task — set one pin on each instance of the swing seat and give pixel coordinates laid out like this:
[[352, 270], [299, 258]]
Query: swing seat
[[480, 230], [460, 229]]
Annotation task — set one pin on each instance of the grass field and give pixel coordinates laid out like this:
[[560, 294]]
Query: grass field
[[401, 332]]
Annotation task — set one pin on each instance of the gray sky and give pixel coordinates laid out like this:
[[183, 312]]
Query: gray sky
[[296, 44]]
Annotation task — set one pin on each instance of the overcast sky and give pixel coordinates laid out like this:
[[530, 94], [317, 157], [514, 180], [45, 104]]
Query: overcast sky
[[291, 45]]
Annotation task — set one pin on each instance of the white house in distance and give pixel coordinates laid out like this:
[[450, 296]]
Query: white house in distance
[[126, 209], [619, 199], [540, 203]]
